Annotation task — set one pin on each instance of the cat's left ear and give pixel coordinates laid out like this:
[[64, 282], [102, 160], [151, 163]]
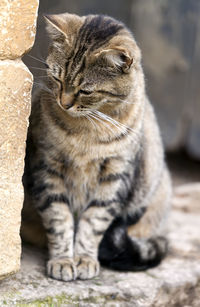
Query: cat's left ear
[[118, 57], [55, 26]]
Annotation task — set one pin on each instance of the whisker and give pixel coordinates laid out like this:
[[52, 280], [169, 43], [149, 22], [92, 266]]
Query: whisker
[[120, 127], [42, 77], [31, 56], [91, 120], [101, 121], [44, 87], [103, 118], [113, 131], [114, 122], [110, 120], [37, 68]]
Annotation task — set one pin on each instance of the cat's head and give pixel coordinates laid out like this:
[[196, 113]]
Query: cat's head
[[93, 62]]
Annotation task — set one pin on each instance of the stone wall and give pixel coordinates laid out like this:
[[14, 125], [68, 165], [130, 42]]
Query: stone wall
[[17, 33], [168, 33]]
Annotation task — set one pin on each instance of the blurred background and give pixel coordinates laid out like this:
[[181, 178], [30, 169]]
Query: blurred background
[[168, 33]]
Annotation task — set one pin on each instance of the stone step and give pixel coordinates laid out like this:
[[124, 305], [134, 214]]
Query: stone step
[[176, 282]]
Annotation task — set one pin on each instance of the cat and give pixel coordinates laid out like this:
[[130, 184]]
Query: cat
[[95, 173]]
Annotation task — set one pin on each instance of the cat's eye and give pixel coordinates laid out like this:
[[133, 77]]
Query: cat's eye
[[85, 92]]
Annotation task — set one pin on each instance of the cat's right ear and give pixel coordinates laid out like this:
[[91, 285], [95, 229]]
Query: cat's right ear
[[118, 57], [55, 27]]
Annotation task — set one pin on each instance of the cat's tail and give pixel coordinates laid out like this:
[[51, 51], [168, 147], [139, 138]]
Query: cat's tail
[[120, 252]]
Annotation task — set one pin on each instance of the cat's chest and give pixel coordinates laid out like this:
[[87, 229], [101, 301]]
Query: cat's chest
[[81, 182], [90, 181], [87, 163]]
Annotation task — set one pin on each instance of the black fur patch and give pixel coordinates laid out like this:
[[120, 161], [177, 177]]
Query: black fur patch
[[126, 254], [113, 177], [37, 190], [100, 29], [53, 198], [134, 218], [99, 203]]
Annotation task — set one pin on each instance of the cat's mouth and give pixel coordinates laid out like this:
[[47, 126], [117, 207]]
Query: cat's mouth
[[68, 103], [73, 109]]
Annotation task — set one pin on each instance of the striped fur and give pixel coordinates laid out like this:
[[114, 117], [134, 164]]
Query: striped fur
[[95, 172]]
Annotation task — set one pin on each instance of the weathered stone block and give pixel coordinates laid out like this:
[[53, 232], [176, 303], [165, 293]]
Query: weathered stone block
[[15, 89], [17, 24]]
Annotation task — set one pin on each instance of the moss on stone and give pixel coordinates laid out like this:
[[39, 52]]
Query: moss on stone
[[49, 301], [65, 300]]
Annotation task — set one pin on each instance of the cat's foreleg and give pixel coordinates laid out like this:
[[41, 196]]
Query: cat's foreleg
[[91, 229], [59, 225]]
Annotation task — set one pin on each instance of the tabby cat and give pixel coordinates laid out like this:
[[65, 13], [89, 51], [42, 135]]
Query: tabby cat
[[94, 169]]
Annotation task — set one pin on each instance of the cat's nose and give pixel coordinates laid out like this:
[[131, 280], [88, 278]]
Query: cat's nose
[[67, 100]]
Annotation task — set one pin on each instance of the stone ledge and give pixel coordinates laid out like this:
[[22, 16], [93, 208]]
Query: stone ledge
[[175, 283]]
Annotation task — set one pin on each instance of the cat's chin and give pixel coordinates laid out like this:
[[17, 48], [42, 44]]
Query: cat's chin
[[71, 112], [74, 113]]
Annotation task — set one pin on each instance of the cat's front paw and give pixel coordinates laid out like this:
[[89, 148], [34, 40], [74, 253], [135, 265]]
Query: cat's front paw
[[62, 269], [87, 267]]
